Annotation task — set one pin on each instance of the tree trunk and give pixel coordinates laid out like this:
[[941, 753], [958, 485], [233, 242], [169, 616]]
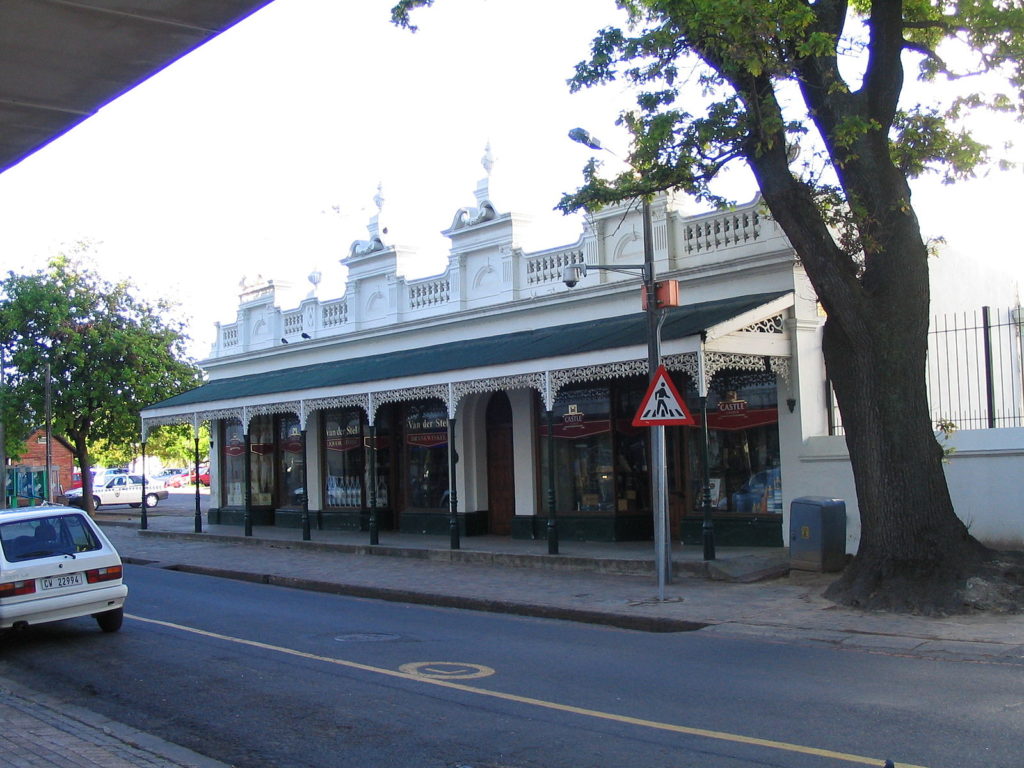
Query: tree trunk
[[914, 552], [85, 466]]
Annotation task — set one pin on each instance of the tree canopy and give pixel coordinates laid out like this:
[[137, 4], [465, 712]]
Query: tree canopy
[[810, 96], [109, 353]]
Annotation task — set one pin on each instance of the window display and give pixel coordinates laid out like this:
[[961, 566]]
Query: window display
[[344, 458], [232, 454], [743, 441], [290, 465], [261, 457], [426, 450], [584, 467], [633, 484]]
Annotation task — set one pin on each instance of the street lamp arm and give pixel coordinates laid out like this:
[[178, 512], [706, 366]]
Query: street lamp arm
[[574, 272]]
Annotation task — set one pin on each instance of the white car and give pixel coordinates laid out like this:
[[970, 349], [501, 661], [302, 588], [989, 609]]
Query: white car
[[56, 564], [119, 489], [164, 476]]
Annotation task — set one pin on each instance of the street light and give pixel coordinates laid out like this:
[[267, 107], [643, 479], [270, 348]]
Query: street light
[[659, 463]]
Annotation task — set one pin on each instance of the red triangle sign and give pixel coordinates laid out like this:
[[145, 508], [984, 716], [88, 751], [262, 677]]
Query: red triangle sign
[[662, 405]]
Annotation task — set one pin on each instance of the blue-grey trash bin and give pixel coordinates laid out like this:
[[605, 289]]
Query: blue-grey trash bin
[[817, 534]]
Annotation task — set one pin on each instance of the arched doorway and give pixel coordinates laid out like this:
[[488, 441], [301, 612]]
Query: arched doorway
[[501, 492]]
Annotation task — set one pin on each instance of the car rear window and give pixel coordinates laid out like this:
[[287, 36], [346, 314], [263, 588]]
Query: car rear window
[[46, 536]]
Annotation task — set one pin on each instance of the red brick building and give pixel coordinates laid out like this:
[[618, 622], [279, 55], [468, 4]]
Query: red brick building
[[61, 457]]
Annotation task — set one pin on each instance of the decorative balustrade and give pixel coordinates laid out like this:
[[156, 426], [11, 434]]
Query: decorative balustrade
[[547, 267], [334, 313], [477, 280], [292, 322], [256, 293], [721, 231], [429, 293]]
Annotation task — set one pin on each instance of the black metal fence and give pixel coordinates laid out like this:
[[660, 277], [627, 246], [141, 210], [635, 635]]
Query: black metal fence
[[975, 370]]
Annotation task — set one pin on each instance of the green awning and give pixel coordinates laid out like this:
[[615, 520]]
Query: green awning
[[520, 346]]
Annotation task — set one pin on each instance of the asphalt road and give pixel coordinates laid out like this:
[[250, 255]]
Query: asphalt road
[[260, 676], [183, 501]]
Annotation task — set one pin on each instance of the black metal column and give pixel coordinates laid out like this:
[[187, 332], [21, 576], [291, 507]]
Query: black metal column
[[247, 514], [371, 460], [144, 520], [708, 526], [453, 458], [199, 511], [552, 520], [990, 391], [305, 492]]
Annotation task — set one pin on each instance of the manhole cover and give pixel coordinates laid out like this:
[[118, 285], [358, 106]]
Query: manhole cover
[[367, 637]]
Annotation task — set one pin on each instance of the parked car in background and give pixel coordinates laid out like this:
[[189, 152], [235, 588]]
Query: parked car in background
[[98, 475], [165, 476], [55, 564], [119, 489], [184, 477], [204, 475]]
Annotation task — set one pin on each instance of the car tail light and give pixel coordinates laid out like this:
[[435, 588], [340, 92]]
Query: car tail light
[[12, 588], [111, 573]]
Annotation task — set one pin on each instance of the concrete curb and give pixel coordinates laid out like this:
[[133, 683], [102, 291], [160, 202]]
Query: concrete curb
[[639, 623], [742, 570]]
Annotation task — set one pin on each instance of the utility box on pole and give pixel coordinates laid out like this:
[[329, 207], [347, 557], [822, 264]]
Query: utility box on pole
[[817, 534]]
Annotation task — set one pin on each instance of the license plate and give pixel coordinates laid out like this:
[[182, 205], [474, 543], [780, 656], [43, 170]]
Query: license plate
[[66, 580]]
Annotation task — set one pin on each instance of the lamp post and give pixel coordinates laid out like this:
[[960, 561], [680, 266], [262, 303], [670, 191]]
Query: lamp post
[[3, 436], [659, 463]]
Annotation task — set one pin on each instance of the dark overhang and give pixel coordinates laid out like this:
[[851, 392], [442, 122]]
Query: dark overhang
[[60, 61]]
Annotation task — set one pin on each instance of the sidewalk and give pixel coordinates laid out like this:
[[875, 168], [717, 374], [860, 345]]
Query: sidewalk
[[42, 732]]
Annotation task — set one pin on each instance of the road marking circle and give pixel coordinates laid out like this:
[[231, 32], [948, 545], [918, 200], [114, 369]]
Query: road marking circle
[[446, 670]]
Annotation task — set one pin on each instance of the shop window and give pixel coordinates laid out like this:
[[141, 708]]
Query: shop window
[[290, 465], [344, 458], [632, 482], [426, 451], [743, 443], [382, 459], [583, 451], [261, 455], [232, 455]]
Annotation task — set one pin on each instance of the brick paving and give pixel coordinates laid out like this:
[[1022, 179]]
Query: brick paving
[[40, 732]]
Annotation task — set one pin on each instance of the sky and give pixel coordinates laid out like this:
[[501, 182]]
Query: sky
[[261, 152]]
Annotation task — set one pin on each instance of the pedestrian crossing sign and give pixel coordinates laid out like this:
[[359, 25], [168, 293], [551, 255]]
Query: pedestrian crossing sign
[[662, 405]]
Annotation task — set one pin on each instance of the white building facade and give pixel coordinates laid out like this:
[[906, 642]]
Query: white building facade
[[495, 399]]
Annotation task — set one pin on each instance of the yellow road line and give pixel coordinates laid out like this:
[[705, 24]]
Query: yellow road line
[[552, 705]]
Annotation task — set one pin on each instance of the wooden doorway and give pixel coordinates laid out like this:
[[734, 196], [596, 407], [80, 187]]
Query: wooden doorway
[[501, 493]]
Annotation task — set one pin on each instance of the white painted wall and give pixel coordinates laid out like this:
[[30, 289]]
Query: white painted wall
[[524, 447], [983, 474]]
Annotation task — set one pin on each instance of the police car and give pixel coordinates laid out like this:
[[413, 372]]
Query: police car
[[119, 489]]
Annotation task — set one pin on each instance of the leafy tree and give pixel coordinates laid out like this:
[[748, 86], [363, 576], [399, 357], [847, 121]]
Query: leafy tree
[[17, 424], [110, 353], [174, 444], [720, 81], [104, 453]]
